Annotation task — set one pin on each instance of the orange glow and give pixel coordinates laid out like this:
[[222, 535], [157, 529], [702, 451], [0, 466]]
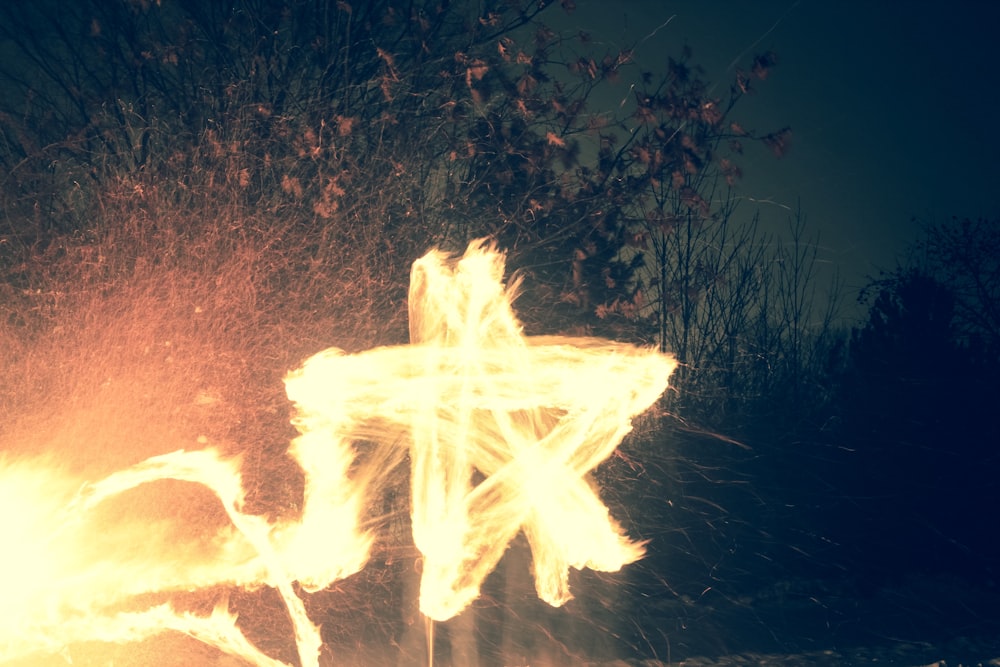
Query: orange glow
[[471, 395]]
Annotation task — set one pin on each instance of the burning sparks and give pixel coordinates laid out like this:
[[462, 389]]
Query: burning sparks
[[502, 432]]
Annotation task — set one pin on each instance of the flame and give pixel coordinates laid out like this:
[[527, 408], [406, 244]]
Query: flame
[[532, 414], [470, 398]]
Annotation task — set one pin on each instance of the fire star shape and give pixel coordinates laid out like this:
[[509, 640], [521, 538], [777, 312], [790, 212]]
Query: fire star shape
[[530, 417]]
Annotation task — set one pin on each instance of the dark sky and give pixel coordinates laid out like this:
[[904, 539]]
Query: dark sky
[[892, 106]]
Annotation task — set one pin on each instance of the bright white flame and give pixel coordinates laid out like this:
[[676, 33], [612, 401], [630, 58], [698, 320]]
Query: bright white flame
[[531, 416]]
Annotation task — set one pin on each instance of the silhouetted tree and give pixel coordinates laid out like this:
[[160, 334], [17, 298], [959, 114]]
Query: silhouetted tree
[[918, 401], [964, 255]]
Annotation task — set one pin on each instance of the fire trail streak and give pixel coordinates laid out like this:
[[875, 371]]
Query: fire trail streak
[[531, 415]]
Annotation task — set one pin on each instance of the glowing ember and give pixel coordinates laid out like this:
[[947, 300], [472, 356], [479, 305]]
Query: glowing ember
[[531, 416]]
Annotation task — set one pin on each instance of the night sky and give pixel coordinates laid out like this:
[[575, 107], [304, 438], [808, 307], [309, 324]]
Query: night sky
[[891, 107]]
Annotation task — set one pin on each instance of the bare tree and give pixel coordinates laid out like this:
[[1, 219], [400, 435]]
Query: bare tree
[[964, 255]]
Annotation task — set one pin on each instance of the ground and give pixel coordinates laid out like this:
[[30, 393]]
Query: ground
[[916, 622]]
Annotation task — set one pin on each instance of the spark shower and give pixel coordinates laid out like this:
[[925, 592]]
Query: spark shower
[[470, 398]]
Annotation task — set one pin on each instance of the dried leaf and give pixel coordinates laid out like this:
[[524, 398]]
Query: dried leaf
[[779, 142], [763, 63], [386, 57], [645, 115], [526, 84], [742, 82], [344, 125], [710, 113], [292, 186], [476, 70]]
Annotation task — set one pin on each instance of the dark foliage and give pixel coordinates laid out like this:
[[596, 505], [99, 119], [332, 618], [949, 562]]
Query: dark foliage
[[918, 403]]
